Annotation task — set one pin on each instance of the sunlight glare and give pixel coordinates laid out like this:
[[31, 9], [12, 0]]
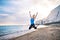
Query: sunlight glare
[[43, 12]]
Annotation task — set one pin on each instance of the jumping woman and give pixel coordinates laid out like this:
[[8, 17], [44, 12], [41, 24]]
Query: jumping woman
[[32, 20]]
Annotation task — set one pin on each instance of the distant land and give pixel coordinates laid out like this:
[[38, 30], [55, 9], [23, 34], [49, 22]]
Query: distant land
[[13, 24]]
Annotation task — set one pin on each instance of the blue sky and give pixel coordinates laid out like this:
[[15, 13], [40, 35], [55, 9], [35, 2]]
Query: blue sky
[[16, 11]]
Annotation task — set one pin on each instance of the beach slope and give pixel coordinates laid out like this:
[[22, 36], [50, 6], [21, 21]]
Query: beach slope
[[48, 33]]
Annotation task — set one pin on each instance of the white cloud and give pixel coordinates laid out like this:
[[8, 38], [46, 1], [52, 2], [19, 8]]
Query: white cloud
[[3, 14], [9, 9]]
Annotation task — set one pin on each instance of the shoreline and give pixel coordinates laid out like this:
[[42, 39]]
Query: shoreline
[[14, 35]]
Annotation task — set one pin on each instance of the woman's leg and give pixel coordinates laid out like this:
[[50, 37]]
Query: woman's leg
[[34, 26], [30, 26]]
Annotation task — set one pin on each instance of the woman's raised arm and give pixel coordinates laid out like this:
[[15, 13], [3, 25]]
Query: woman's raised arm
[[36, 14], [30, 13]]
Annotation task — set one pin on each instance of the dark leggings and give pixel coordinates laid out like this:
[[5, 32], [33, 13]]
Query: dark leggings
[[32, 25]]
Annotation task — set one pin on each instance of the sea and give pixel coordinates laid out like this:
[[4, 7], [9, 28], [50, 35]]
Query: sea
[[5, 30]]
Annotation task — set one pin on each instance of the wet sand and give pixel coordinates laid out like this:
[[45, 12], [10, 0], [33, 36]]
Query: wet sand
[[48, 33]]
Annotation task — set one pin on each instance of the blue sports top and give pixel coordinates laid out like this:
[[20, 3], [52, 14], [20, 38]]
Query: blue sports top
[[32, 20]]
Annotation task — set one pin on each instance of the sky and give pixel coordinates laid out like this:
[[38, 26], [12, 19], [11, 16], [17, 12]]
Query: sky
[[17, 11]]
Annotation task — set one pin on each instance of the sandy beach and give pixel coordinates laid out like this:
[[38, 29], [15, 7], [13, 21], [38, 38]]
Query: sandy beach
[[48, 33]]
